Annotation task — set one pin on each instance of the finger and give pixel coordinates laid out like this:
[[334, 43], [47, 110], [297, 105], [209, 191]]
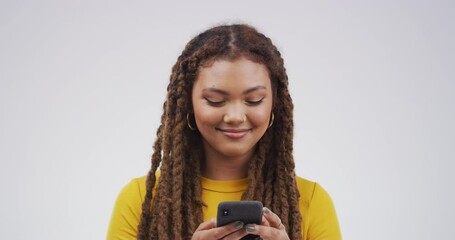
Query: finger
[[211, 223], [220, 232], [265, 222], [273, 219], [266, 233], [236, 235]]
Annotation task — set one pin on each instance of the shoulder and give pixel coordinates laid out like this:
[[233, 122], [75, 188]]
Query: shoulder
[[133, 191], [309, 191], [306, 189], [127, 210], [318, 211], [137, 186]]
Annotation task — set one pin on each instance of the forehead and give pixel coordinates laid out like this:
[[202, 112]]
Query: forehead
[[237, 74]]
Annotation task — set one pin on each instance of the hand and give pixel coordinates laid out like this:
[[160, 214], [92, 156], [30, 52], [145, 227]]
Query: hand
[[271, 227], [208, 230]]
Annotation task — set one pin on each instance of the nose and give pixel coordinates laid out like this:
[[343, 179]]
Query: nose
[[235, 115]]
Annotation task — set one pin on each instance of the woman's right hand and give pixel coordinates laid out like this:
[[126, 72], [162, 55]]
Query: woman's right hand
[[208, 230]]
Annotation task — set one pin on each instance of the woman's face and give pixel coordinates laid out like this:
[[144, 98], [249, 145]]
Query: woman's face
[[232, 103]]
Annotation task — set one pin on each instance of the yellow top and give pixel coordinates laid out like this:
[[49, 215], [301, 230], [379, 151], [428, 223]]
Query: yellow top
[[318, 213]]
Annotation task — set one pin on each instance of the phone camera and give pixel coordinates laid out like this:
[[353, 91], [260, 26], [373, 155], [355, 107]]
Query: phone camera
[[225, 212]]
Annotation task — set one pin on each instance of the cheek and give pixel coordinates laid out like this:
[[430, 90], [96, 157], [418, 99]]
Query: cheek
[[260, 117], [206, 116]]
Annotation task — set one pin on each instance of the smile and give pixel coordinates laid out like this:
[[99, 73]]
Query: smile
[[234, 133]]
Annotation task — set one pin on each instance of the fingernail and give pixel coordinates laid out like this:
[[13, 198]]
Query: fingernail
[[266, 211], [249, 228], [238, 225]]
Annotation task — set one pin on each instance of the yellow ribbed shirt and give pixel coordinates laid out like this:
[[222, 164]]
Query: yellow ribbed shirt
[[318, 213]]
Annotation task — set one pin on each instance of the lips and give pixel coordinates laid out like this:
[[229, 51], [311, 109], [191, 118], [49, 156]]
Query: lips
[[234, 133]]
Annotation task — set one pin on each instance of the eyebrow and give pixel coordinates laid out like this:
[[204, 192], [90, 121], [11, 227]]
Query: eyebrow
[[222, 92]]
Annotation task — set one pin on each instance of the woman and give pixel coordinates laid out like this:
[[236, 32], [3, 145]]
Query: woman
[[226, 134]]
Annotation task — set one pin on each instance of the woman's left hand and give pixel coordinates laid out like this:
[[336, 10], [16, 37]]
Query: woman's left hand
[[271, 227]]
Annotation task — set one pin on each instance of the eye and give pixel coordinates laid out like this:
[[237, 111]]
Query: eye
[[214, 103], [254, 102]]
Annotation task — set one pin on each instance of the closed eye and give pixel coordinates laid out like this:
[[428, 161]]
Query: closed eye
[[214, 103], [254, 102]]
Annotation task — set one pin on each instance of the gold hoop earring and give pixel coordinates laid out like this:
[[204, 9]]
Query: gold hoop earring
[[272, 120], [188, 122]]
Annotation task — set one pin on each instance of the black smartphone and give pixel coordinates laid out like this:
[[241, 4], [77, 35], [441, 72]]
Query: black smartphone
[[249, 212]]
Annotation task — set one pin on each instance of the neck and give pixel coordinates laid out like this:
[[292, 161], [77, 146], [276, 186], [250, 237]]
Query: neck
[[219, 167]]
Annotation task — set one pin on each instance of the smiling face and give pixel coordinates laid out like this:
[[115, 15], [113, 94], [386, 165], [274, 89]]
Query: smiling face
[[232, 103]]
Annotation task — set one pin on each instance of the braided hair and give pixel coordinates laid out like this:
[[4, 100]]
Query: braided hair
[[176, 196]]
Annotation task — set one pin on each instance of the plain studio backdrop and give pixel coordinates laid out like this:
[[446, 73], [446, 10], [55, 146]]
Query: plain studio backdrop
[[83, 83]]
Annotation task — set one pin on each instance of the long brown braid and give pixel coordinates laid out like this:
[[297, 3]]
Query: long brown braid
[[177, 203]]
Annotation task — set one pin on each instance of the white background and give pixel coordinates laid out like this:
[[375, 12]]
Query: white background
[[83, 82]]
